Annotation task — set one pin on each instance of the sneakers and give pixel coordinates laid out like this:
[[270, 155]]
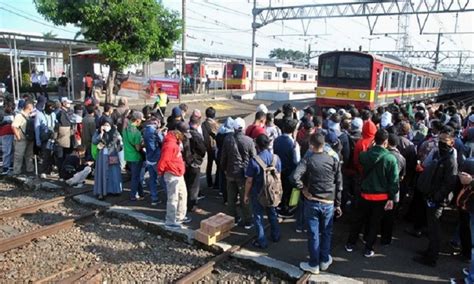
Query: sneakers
[[308, 268], [156, 202], [465, 272], [79, 185], [248, 226], [369, 253], [325, 265], [349, 247], [186, 220], [299, 231], [285, 214], [43, 176]]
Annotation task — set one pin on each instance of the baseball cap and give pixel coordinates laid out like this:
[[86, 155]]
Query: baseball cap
[[65, 100], [331, 111], [184, 128], [176, 112], [263, 108], [239, 123], [137, 115], [357, 123]]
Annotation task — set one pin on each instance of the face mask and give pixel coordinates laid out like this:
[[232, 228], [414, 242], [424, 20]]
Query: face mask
[[443, 147], [107, 128]]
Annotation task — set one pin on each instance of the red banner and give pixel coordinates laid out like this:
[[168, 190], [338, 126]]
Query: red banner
[[167, 85]]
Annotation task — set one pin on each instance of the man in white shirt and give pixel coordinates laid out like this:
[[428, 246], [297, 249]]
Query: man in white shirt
[[35, 83], [43, 80]]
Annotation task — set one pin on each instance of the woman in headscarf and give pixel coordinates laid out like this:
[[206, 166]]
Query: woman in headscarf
[[107, 178]]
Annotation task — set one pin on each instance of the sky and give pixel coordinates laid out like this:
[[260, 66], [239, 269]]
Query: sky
[[224, 27]]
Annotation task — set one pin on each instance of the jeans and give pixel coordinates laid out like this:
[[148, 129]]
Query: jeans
[[177, 198], [62, 91], [79, 177], [258, 211], [153, 182], [7, 149], [368, 213], [471, 267], [319, 218], [136, 186], [300, 217], [235, 187]]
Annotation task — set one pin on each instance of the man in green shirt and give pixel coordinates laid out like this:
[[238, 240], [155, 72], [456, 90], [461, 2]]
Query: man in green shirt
[[133, 143]]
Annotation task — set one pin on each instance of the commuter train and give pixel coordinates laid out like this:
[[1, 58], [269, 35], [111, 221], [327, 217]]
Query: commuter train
[[267, 77], [367, 80], [276, 77]]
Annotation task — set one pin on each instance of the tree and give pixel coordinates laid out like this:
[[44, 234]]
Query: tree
[[127, 32], [287, 54], [50, 35]]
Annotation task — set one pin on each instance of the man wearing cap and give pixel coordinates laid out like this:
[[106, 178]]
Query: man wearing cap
[[133, 144], [175, 118], [237, 151]]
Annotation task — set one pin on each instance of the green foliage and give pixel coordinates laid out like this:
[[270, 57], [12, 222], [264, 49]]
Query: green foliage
[[25, 80], [127, 31], [50, 35], [287, 54]]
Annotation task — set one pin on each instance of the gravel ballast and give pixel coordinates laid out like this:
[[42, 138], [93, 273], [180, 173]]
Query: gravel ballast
[[13, 226], [124, 252], [13, 196]]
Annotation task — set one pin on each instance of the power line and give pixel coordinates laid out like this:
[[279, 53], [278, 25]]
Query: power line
[[34, 20]]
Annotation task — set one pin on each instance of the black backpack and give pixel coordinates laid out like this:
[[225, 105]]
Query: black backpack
[[29, 131]]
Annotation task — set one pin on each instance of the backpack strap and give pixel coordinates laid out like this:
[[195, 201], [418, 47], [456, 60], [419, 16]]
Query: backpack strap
[[274, 160], [260, 162]]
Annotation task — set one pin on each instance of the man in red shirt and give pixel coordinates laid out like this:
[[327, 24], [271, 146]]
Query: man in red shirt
[[258, 127], [171, 167], [88, 84]]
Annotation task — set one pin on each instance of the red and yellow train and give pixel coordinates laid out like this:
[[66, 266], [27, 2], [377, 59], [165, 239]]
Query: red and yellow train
[[367, 80]]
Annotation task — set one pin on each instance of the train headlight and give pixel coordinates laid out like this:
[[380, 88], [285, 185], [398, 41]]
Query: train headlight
[[362, 95], [322, 92]]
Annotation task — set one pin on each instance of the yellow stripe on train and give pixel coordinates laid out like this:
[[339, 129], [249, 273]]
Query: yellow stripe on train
[[345, 94]]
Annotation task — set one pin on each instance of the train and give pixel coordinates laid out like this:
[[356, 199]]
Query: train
[[368, 80], [268, 77]]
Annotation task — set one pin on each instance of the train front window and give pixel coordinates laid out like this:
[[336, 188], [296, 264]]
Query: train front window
[[328, 66], [237, 70], [354, 67]]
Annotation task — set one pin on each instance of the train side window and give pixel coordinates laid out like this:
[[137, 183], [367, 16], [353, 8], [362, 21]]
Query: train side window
[[247, 74], [267, 75], [277, 75], [394, 80], [418, 82], [303, 77], [328, 66], [295, 76], [408, 81]]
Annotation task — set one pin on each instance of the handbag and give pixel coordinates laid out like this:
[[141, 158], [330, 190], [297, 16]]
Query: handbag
[[114, 160]]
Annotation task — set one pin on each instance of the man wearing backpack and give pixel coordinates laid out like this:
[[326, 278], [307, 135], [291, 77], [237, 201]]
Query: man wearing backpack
[[437, 180], [319, 177], [378, 190], [24, 139], [263, 177], [237, 151]]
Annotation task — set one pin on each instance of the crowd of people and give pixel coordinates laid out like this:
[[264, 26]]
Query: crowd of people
[[409, 161]]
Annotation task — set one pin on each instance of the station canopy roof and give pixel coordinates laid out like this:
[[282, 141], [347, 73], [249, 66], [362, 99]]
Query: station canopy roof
[[42, 44]]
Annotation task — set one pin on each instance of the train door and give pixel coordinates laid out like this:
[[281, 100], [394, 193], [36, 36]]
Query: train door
[[381, 87]]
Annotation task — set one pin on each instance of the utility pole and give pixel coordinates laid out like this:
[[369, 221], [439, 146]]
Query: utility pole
[[460, 63], [438, 44], [183, 38], [254, 45], [308, 58]]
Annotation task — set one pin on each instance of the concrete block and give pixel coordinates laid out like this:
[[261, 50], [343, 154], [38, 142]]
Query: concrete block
[[209, 240], [216, 224]]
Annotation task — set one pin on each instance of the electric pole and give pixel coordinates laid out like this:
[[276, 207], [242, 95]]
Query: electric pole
[[438, 44], [254, 45], [183, 39]]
